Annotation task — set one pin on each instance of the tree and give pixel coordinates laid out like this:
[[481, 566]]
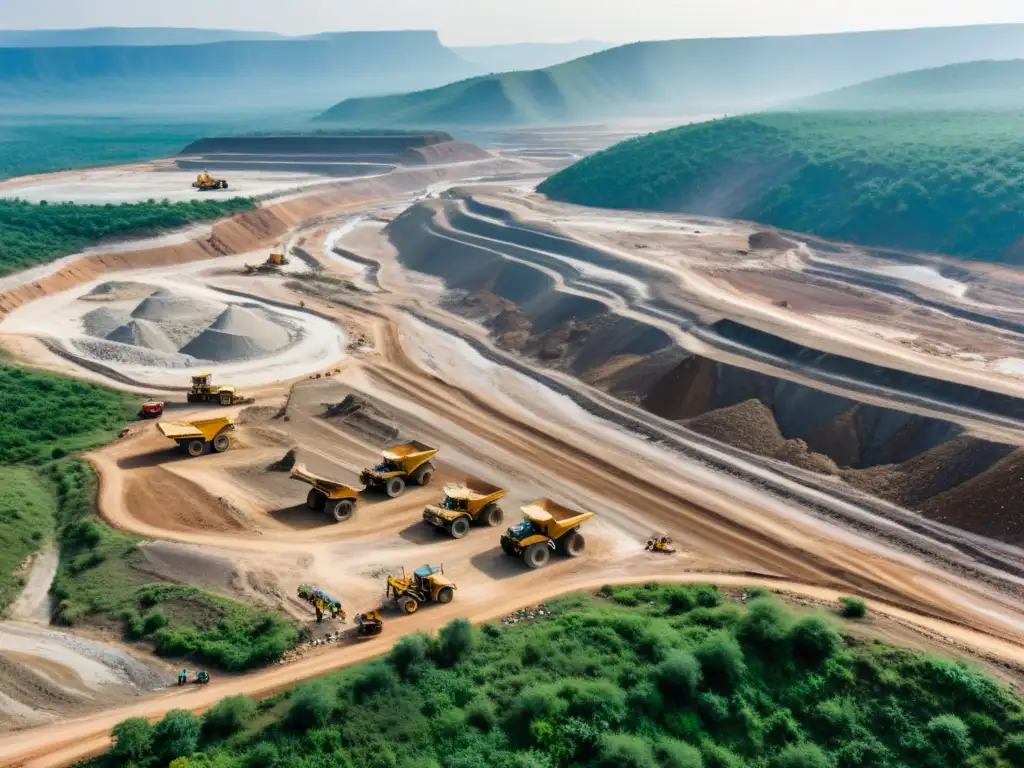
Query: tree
[[177, 735], [132, 740]]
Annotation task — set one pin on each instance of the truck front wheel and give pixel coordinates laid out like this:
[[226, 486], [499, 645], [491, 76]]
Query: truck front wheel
[[458, 527], [537, 555]]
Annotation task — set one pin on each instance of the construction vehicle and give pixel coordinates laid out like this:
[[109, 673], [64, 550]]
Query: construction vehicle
[[205, 182], [203, 390], [547, 527], [473, 501], [196, 437], [203, 677], [337, 499], [273, 263], [322, 602], [427, 585], [662, 544], [402, 464], [151, 409], [370, 624]]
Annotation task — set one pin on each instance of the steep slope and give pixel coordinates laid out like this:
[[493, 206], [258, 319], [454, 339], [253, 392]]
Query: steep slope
[[684, 77], [944, 183], [244, 73], [64, 38], [974, 85]]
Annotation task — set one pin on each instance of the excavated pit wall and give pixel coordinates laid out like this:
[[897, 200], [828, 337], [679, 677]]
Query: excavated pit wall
[[525, 300]]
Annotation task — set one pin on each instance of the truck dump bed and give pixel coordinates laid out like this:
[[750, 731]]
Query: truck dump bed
[[299, 472], [409, 455], [204, 429], [554, 519], [474, 491]]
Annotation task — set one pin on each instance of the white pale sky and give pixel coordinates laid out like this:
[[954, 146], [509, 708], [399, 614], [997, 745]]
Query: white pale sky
[[485, 22]]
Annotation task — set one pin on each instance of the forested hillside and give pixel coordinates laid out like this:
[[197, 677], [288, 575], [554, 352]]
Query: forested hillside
[[941, 182], [639, 677]]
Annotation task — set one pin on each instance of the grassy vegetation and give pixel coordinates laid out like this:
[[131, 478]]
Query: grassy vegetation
[[47, 419], [26, 523], [947, 183], [99, 581], [32, 234], [641, 677]]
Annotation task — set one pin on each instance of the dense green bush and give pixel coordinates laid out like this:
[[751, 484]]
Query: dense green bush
[[946, 183], [592, 699], [177, 735], [228, 716], [33, 234], [852, 608]]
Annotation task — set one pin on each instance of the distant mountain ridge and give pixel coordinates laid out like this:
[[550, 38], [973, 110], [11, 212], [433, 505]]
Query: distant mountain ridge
[[505, 58], [975, 85], [91, 36], [683, 77], [279, 72]]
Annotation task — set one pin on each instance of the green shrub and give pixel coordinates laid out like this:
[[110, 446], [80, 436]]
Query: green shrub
[[177, 735], [228, 716], [133, 740], [620, 750], [409, 654], [670, 753], [716, 756], [262, 755], [1013, 748], [813, 639], [482, 715], [455, 640], [852, 608], [721, 660], [800, 756], [765, 626], [311, 706], [679, 676], [949, 739]]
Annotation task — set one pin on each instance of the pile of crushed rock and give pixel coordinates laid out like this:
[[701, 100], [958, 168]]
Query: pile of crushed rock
[[169, 329]]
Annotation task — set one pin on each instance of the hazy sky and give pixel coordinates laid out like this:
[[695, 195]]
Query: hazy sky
[[468, 22]]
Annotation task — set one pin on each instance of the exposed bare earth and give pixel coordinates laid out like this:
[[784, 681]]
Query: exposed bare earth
[[567, 353]]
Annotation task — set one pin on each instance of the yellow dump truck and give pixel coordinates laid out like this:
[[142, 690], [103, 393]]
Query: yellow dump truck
[[203, 390], [473, 501], [273, 263], [402, 464], [195, 437], [337, 499], [547, 527], [427, 585]]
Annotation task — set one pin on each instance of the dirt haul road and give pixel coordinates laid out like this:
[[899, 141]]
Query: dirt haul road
[[491, 420]]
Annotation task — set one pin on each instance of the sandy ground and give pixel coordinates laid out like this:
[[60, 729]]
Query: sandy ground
[[245, 531], [132, 184]]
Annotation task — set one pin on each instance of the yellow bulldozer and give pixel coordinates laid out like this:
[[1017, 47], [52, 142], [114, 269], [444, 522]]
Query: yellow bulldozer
[[547, 527], [337, 499], [205, 182], [402, 464], [199, 437], [273, 263], [426, 585], [471, 502], [370, 624], [203, 390], [661, 544]]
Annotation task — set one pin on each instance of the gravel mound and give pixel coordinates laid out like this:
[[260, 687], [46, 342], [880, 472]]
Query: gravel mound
[[225, 347], [239, 321], [749, 425], [117, 290], [164, 306], [116, 352], [362, 416], [770, 240], [104, 321], [142, 333]]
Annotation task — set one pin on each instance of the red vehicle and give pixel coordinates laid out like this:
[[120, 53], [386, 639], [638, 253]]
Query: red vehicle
[[152, 409]]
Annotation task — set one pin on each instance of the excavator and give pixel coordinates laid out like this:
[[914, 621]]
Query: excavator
[[205, 182]]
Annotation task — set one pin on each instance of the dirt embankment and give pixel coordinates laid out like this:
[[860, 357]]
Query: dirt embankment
[[250, 231]]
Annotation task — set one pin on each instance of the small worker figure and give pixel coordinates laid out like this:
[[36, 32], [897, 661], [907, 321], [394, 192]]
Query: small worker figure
[[182, 677]]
